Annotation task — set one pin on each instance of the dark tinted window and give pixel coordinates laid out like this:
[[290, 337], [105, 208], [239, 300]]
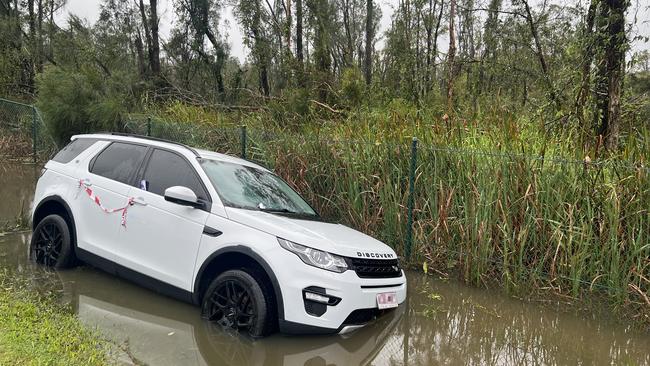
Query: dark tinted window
[[72, 150], [119, 161], [167, 169]]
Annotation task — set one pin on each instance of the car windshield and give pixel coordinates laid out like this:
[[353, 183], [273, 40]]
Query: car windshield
[[250, 188]]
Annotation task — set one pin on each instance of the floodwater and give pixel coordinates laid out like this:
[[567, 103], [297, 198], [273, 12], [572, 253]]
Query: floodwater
[[442, 322], [17, 189]]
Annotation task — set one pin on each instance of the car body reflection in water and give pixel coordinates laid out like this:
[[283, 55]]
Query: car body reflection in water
[[441, 323], [160, 331]]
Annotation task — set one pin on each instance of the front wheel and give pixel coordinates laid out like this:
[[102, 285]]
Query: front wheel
[[236, 300], [51, 243]]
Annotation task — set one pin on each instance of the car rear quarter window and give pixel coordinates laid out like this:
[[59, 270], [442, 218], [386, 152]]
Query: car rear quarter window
[[167, 169], [119, 161], [72, 150]]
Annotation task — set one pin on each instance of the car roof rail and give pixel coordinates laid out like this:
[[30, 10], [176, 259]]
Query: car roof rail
[[154, 139]]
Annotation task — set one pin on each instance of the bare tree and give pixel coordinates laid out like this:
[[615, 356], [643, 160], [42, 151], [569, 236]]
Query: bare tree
[[532, 24]]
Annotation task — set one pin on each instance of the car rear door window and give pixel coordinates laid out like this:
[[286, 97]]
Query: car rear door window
[[167, 169], [119, 161], [72, 150]]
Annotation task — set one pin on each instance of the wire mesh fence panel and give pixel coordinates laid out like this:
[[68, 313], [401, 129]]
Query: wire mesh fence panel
[[16, 126], [23, 132], [43, 141]]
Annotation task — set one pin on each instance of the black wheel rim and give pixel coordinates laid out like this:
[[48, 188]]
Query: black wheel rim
[[231, 306], [48, 244]]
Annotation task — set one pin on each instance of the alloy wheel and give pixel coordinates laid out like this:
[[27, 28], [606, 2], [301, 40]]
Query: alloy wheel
[[48, 244], [231, 306]]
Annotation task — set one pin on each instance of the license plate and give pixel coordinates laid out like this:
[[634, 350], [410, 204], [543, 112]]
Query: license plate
[[386, 300]]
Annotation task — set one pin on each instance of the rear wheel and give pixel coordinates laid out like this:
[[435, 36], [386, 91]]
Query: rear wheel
[[236, 300], [51, 243]]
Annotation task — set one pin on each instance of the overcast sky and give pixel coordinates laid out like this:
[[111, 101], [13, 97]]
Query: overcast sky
[[89, 9]]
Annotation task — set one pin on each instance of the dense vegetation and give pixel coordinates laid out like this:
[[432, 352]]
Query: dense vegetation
[[532, 119]]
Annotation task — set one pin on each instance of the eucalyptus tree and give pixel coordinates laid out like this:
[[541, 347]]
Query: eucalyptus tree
[[203, 18], [255, 19]]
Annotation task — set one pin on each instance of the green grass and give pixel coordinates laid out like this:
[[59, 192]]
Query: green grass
[[38, 331]]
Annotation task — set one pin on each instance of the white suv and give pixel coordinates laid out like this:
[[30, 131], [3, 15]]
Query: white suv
[[213, 230]]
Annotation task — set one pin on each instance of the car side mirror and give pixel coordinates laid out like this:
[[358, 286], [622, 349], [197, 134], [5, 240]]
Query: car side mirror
[[182, 196]]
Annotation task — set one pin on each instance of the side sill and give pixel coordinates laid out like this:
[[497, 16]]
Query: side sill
[[133, 276]]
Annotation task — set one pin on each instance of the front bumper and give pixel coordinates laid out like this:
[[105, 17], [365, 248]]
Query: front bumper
[[358, 297]]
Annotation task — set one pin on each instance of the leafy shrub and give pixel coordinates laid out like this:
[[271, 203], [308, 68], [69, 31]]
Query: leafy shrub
[[352, 87], [74, 102]]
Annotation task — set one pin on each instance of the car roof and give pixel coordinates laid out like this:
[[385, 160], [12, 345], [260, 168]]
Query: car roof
[[206, 154]]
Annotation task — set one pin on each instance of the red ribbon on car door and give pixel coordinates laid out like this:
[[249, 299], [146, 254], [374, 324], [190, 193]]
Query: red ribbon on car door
[[96, 199]]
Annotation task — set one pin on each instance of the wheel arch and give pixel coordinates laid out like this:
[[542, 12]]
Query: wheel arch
[[55, 205], [232, 258]]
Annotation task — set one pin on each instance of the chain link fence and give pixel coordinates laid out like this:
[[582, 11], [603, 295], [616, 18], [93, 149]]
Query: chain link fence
[[23, 132]]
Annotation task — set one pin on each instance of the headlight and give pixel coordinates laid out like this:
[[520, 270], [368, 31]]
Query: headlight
[[315, 257]]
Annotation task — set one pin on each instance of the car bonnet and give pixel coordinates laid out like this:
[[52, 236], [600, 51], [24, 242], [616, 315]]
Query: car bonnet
[[330, 237]]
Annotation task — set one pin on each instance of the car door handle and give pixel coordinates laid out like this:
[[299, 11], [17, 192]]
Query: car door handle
[[140, 201], [86, 182]]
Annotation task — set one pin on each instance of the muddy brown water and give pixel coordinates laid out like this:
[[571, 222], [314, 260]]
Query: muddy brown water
[[17, 189], [442, 322]]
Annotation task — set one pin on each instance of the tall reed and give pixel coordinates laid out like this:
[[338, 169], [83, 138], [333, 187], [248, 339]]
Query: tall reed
[[498, 203]]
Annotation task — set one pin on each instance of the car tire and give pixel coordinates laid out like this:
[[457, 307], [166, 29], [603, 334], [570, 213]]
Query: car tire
[[51, 243], [236, 300]]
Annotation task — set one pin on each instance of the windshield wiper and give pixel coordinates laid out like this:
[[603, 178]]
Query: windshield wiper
[[277, 210]]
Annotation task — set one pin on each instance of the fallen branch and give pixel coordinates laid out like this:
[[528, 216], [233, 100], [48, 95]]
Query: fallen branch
[[326, 107]]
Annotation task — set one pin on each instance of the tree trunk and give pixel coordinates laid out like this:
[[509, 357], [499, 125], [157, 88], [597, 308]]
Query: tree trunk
[[489, 36], [615, 55], [299, 53], [289, 23], [435, 40], [155, 45], [39, 38], [601, 96], [139, 48], [587, 59], [147, 33], [369, 41], [29, 63], [50, 35], [451, 57]]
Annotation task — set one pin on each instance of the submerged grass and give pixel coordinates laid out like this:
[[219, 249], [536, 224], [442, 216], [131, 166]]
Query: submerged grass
[[17, 223], [35, 330]]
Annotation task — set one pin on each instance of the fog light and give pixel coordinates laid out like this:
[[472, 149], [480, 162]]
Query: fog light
[[316, 297]]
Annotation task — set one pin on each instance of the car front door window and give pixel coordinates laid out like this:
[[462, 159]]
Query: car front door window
[[166, 169]]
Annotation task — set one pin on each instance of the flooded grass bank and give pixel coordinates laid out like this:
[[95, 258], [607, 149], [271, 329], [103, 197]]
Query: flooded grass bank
[[38, 330]]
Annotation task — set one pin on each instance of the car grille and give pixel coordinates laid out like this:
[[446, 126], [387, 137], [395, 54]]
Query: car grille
[[374, 268]]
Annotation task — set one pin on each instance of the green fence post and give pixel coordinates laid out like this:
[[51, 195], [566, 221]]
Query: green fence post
[[411, 200], [148, 126], [243, 141], [34, 132]]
